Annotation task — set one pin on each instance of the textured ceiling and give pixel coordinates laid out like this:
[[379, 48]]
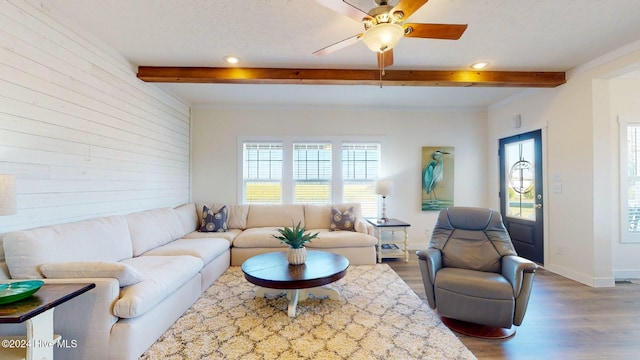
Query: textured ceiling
[[525, 35]]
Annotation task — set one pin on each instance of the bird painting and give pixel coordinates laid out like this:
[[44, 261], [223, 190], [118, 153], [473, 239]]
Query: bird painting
[[435, 175]]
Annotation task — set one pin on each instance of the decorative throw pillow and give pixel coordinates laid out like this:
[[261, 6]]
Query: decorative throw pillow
[[214, 221], [125, 274], [342, 220]]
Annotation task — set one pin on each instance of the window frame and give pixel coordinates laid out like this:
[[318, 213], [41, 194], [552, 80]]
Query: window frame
[[625, 235], [278, 181], [288, 183]]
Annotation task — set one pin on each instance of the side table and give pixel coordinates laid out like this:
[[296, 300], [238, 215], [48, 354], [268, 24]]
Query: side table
[[392, 247], [37, 311]]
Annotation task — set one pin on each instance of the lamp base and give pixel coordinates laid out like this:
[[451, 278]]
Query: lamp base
[[383, 220]]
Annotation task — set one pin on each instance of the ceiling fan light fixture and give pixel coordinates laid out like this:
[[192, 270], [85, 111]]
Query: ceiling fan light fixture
[[383, 37]]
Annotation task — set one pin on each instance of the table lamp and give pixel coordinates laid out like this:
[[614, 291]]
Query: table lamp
[[384, 188]]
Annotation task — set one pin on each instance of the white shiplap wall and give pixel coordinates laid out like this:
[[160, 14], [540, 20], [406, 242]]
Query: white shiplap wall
[[83, 135]]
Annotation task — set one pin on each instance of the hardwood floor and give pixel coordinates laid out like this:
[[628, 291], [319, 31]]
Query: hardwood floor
[[564, 320]]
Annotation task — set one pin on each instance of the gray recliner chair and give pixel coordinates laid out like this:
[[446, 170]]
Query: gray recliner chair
[[471, 271]]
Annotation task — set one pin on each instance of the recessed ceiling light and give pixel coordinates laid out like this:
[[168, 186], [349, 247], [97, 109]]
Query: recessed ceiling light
[[479, 65], [231, 59]]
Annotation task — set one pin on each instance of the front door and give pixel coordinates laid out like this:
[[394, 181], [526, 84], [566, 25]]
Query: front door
[[521, 193]]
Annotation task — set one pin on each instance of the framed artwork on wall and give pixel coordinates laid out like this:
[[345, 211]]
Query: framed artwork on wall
[[437, 177]]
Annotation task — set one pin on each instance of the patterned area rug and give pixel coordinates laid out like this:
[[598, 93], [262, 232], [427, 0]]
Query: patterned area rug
[[377, 317]]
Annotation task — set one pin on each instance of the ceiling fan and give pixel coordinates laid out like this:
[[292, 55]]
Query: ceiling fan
[[384, 28]]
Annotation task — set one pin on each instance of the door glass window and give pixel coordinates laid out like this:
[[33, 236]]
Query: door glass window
[[520, 177]]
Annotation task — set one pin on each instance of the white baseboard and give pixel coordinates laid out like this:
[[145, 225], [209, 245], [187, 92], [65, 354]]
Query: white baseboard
[[581, 278], [626, 274]]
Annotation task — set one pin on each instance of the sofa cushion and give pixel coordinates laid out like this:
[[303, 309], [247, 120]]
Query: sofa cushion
[[228, 235], [275, 215], [336, 239], [100, 239], [236, 214], [342, 220], [261, 237], [474, 283], [125, 274], [152, 228], [214, 220], [206, 249], [163, 275], [188, 217], [355, 208], [317, 216], [471, 250]]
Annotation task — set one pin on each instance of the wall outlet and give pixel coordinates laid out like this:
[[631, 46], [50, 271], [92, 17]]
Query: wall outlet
[[560, 249]]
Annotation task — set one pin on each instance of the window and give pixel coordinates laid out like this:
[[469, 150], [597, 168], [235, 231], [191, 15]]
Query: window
[[360, 171], [630, 180], [290, 171], [312, 173], [262, 172]]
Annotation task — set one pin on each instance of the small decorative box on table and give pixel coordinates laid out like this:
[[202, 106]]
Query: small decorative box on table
[[391, 247]]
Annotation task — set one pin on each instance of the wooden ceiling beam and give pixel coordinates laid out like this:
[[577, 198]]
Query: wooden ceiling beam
[[451, 78]]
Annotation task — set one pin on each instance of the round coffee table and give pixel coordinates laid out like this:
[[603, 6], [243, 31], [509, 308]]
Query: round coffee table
[[272, 273]]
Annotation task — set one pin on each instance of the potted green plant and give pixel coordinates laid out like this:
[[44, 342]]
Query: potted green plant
[[295, 237]]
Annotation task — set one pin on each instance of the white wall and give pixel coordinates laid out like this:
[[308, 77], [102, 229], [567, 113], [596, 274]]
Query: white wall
[[580, 146], [83, 135], [215, 157]]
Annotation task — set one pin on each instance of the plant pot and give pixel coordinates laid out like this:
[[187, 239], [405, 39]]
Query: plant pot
[[297, 256]]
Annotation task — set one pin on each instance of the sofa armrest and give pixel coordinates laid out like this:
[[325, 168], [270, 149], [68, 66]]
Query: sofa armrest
[[87, 318], [361, 225], [430, 261], [84, 322]]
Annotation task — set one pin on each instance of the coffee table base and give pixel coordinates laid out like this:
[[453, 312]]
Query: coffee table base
[[299, 295]]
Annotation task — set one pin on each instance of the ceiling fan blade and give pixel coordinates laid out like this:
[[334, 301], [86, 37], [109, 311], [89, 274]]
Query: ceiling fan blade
[[434, 31], [408, 7], [385, 59], [337, 46], [344, 8]]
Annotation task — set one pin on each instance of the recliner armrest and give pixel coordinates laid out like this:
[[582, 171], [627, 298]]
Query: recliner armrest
[[433, 257], [430, 261], [513, 269]]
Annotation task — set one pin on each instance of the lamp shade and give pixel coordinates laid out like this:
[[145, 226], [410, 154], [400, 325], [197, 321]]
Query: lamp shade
[[384, 187], [8, 205], [383, 37]]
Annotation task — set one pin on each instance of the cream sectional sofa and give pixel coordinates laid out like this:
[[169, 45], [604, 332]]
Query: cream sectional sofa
[[150, 267], [251, 228]]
